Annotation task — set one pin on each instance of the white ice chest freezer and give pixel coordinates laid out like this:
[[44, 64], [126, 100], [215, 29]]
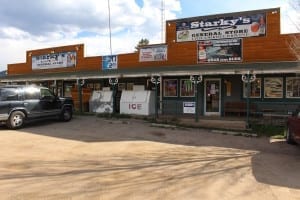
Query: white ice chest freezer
[[137, 102], [101, 102]]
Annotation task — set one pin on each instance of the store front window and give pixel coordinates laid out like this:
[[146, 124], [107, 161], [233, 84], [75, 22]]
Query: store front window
[[186, 88], [170, 88], [273, 87], [255, 89], [293, 87]]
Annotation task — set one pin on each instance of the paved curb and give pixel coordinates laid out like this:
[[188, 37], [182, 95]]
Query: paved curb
[[163, 125], [235, 133]]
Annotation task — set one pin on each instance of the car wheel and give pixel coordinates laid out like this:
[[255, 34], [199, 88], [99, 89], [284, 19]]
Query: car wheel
[[16, 120], [289, 137], [66, 115]]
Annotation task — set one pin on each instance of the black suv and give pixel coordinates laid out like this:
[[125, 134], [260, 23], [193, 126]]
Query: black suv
[[19, 103]]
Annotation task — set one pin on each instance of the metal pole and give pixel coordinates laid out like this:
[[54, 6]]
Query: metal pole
[[156, 101], [248, 78], [113, 82], [109, 27], [114, 99], [196, 79], [79, 96], [156, 81], [248, 95], [196, 102]]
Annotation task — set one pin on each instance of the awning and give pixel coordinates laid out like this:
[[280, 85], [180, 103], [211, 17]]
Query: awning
[[183, 70]]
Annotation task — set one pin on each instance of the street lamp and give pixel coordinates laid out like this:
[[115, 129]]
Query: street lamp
[[248, 78], [196, 79], [79, 83], [113, 82], [156, 80]]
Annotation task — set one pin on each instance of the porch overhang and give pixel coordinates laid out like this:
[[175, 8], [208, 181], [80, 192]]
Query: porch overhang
[[185, 70]]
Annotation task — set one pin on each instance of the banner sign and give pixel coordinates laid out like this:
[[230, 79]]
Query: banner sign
[[189, 108], [157, 53], [54, 60], [226, 50], [222, 27], [110, 62]]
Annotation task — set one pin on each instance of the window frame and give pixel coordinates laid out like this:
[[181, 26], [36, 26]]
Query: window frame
[[286, 87], [251, 83], [268, 79]]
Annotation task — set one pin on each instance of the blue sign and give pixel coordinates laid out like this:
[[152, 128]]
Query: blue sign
[[110, 62]]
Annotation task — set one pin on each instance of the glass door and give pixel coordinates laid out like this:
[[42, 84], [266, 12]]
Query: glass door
[[212, 101]]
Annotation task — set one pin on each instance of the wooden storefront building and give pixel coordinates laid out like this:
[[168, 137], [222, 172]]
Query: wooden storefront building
[[227, 56]]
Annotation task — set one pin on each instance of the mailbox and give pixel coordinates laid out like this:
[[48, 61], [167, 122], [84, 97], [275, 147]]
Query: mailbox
[[101, 102], [137, 102]]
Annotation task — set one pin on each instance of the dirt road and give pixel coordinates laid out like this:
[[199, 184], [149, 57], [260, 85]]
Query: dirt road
[[94, 158]]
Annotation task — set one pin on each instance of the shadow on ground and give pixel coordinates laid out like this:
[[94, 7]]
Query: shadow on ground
[[273, 163]]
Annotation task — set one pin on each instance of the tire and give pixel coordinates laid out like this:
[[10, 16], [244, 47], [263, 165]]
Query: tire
[[16, 120], [66, 115], [289, 137]]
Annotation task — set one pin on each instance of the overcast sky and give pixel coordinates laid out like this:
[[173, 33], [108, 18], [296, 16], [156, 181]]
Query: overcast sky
[[35, 24]]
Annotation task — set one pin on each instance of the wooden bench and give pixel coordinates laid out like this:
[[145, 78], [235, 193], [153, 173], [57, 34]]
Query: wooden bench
[[239, 108]]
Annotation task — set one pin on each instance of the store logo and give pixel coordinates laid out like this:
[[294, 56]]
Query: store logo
[[219, 23]]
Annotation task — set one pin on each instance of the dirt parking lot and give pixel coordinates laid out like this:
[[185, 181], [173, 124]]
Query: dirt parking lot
[[94, 158]]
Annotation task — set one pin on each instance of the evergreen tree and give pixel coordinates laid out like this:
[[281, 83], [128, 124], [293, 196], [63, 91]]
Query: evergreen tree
[[142, 42]]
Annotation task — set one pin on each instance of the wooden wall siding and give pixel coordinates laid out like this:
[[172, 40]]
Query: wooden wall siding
[[183, 53], [17, 69], [127, 61], [273, 24], [170, 32], [89, 63], [272, 47]]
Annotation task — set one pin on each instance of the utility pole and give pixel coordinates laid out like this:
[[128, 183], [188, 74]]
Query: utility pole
[[162, 20]]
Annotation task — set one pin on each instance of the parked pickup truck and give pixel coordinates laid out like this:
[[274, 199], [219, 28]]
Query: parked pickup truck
[[20, 103], [293, 129]]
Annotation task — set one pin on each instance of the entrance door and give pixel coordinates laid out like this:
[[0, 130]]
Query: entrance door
[[212, 101]]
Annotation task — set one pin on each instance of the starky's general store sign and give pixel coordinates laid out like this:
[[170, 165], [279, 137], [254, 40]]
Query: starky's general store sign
[[54, 60], [221, 27]]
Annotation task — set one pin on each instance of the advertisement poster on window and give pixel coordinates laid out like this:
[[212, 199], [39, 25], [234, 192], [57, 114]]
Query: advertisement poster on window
[[54, 60], [110, 62], [222, 27], [155, 53], [189, 108], [273, 87], [170, 87], [226, 50], [186, 88]]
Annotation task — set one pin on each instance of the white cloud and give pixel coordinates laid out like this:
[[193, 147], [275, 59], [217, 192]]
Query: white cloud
[[31, 24], [45, 23], [13, 33], [290, 16]]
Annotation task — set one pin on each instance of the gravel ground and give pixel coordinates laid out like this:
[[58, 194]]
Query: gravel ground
[[94, 158]]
